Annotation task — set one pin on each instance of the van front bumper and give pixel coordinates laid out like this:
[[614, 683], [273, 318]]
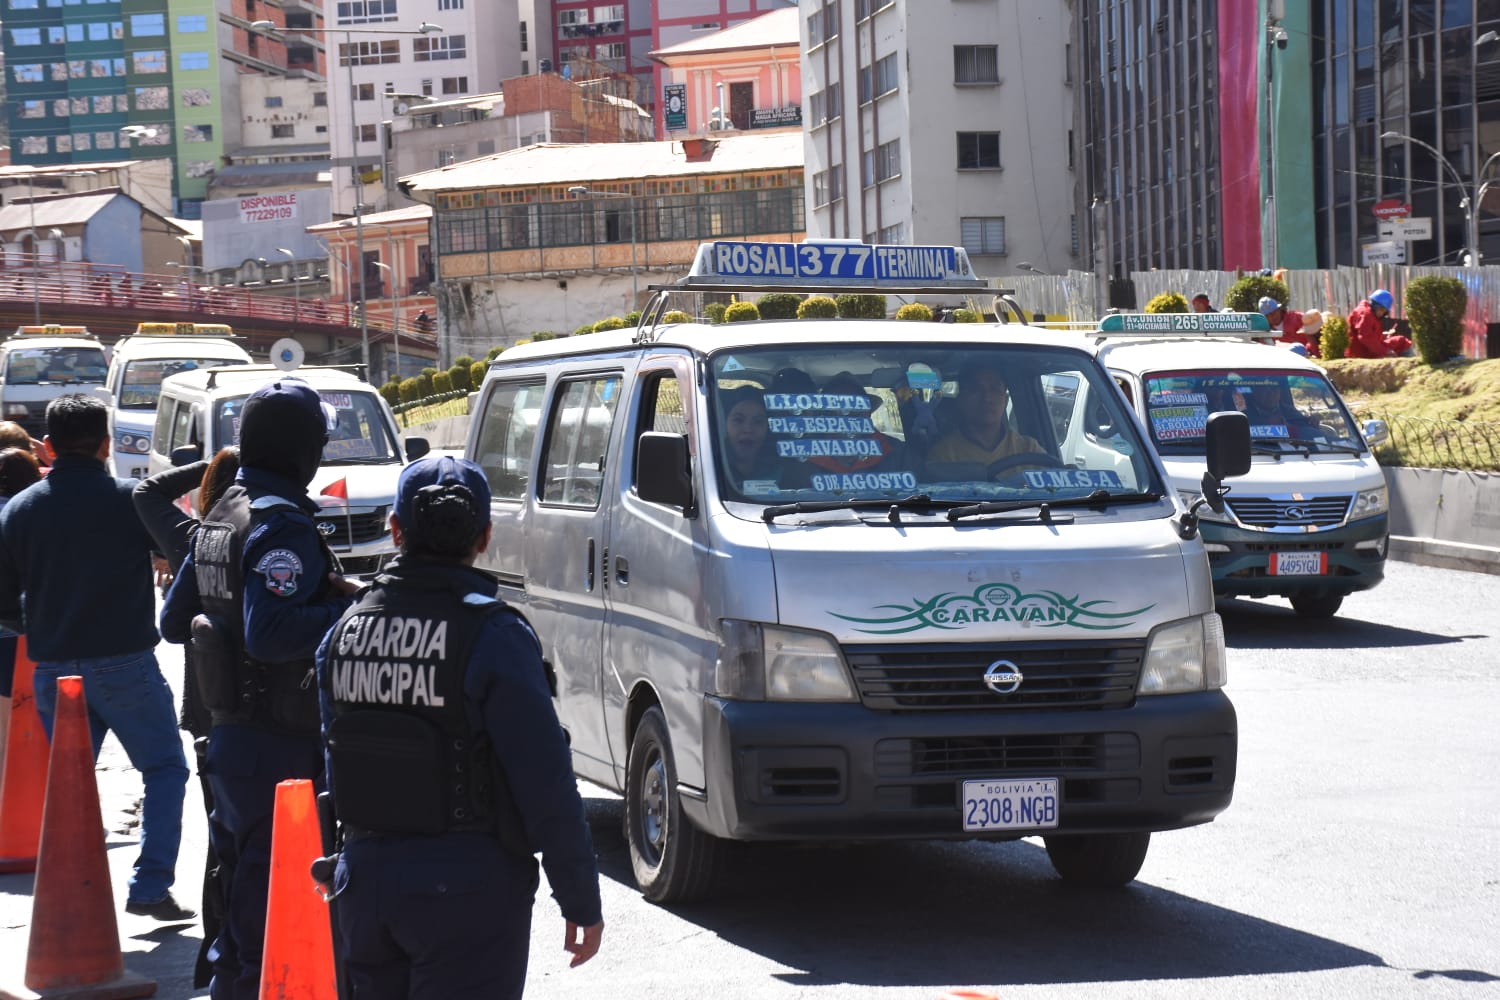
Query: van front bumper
[[1242, 559], [784, 771]]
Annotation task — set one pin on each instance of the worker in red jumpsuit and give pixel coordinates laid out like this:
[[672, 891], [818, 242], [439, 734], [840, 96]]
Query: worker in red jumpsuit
[[1367, 336]]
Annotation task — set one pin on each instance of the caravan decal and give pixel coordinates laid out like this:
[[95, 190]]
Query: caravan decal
[[994, 603]]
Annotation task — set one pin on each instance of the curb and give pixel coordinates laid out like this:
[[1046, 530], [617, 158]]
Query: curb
[[1446, 555]]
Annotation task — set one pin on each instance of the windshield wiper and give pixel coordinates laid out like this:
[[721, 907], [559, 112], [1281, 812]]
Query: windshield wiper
[[916, 500], [1098, 498]]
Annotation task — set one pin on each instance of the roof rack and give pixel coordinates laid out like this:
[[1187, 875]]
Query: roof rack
[[359, 371], [818, 266], [1184, 326]]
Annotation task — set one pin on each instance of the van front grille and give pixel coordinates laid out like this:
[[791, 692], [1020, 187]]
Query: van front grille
[[1285, 512], [341, 530]]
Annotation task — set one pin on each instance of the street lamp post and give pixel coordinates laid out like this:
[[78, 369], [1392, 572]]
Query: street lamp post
[[582, 191], [425, 28], [296, 287], [395, 321], [1469, 201]]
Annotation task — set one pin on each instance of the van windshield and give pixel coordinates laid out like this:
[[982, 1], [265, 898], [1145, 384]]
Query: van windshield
[[361, 436], [55, 365], [1288, 410], [141, 383], [956, 422]]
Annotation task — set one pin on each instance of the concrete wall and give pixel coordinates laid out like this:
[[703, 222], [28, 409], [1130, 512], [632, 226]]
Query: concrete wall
[[1446, 517]]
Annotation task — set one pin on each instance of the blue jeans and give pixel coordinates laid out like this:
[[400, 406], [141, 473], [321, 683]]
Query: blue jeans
[[129, 696]]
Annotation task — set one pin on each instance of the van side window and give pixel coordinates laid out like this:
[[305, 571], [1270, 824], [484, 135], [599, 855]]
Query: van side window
[[182, 427], [506, 436], [661, 404], [578, 431], [162, 432]]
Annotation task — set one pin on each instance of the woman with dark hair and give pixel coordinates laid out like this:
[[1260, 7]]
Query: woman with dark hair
[[172, 530], [749, 449]]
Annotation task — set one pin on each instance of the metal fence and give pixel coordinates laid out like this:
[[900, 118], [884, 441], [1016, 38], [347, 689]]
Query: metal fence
[[430, 408], [1423, 443]]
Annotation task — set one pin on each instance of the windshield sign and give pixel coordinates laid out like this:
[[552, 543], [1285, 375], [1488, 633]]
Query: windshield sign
[[141, 384], [361, 436], [956, 423], [55, 365], [1292, 411]]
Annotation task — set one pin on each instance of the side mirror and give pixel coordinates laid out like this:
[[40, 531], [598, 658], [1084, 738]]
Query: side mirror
[[1376, 433], [416, 448], [1228, 444], [187, 454], [663, 470]]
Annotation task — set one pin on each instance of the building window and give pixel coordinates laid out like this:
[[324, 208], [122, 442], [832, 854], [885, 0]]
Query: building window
[[189, 24], [283, 131], [365, 11], [192, 60], [147, 25], [273, 102], [888, 161], [455, 85], [367, 133], [979, 150], [523, 37], [99, 31], [983, 234], [154, 61], [320, 98], [450, 4], [151, 98], [197, 133], [976, 64], [25, 36], [820, 189], [103, 104], [27, 72], [364, 92], [33, 109], [369, 53], [426, 88], [893, 234], [436, 47], [196, 97]]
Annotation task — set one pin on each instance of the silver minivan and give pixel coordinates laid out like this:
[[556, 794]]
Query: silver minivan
[[787, 593]]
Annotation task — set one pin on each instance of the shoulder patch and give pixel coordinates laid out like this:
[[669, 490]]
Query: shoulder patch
[[281, 568], [269, 502], [475, 600]]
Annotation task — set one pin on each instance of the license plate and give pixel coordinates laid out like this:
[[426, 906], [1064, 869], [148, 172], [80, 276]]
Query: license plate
[[1299, 564], [1010, 804]]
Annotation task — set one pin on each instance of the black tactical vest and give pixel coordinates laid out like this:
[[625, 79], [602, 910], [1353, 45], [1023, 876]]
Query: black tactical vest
[[236, 687], [403, 755]]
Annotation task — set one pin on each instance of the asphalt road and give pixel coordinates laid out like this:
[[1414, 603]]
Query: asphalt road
[[1361, 857]]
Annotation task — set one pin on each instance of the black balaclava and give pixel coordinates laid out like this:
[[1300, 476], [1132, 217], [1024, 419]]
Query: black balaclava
[[283, 429]]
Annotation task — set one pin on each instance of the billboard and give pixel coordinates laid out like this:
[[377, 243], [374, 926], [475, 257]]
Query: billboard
[[246, 227]]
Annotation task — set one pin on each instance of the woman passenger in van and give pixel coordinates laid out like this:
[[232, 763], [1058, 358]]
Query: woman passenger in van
[[749, 450]]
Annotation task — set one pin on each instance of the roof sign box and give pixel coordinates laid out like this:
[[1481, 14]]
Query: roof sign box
[[52, 330], [1229, 324], [183, 330], [815, 263]]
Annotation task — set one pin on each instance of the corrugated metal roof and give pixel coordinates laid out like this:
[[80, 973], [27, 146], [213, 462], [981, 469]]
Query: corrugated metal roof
[[411, 213], [62, 210], [778, 27], [592, 162]]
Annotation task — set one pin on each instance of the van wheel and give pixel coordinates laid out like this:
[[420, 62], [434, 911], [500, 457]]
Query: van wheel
[[1098, 860], [673, 860], [1317, 606]]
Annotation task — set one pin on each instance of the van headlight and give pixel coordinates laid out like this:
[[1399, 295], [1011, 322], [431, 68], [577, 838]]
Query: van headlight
[[1368, 503], [1183, 656], [132, 444], [16, 411], [759, 662], [1205, 513]]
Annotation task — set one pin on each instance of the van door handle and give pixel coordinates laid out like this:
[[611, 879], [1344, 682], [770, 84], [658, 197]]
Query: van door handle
[[622, 571], [589, 586]]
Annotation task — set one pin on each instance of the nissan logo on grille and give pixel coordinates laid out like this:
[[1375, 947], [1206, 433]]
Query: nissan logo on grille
[[1003, 677], [327, 528]]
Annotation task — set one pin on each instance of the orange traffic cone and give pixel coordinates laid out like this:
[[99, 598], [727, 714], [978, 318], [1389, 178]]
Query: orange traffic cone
[[297, 959], [23, 787], [74, 949]]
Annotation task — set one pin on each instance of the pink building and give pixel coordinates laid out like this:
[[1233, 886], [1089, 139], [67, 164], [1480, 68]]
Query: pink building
[[751, 73]]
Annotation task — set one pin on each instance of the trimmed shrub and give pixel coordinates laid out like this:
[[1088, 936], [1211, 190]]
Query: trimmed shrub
[[411, 389], [1245, 293], [463, 359], [715, 311], [391, 391], [442, 382], [494, 352], [539, 337], [610, 323], [585, 328], [476, 374], [633, 318], [458, 377], [1334, 339], [1168, 302], [741, 312], [966, 316], [778, 305], [426, 379], [676, 316], [818, 307], [853, 306], [1435, 307], [915, 311]]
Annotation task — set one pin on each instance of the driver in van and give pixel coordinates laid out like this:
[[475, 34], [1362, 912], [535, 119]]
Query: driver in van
[[1267, 406], [983, 435]]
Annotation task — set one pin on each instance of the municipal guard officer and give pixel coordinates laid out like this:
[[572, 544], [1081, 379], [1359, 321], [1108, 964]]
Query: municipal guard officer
[[447, 765], [256, 594]]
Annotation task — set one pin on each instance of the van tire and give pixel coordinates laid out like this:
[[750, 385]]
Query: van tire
[[673, 861], [1317, 605], [1098, 860]]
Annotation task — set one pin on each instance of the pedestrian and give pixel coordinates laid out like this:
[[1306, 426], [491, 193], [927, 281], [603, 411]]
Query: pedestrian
[[1285, 324], [255, 594], [1367, 336], [172, 530], [1201, 303], [1312, 333], [447, 781], [18, 470], [13, 435], [84, 601]]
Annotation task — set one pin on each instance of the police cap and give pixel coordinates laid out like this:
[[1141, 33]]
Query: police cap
[[443, 504], [283, 428]]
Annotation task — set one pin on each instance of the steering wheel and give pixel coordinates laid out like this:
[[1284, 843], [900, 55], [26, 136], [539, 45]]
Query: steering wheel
[[1010, 462]]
